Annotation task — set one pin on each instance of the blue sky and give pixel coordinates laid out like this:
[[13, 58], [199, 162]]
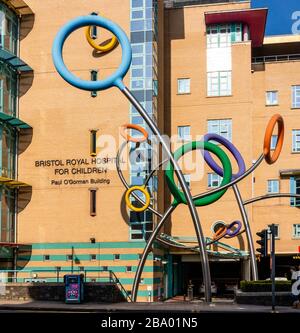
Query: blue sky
[[280, 20]]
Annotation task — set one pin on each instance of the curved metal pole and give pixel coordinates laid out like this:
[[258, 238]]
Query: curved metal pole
[[186, 191], [248, 232], [245, 174], [271, 196], [153, 171], [147, 248], [123, 180]]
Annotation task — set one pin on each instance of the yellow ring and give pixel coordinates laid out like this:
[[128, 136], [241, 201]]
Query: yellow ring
[[144, 191], [105, 48]]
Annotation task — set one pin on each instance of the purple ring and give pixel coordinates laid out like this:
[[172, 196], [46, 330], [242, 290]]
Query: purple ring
[[236, 231], [236, 154]]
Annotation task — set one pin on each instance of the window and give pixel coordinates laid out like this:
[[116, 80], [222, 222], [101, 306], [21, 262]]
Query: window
[[8, 91], [155, 88], [7, 224], [93, 202], [184, 133], [46, 257], [183, 86], [218, 36], [296, 96], [128, 268], [140, 230], [105, 268], [187, 178], [276, 231], [93, 257], [296, 141], [273, 186], [93, 143], [296, 230], [8, 29], [295, 189], [274, 139], [69, 257], [222, 127], [214, 180], [219, 83], [7, 151], [116, 257], [81, 268], [93, 30], [272, 98], [94, 77]]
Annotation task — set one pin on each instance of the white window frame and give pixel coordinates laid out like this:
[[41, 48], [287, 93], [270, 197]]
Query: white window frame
[[219, 83], [271, 184], [187, 178], [296, 230], [183, 86], [213, 178], [277, 236], [296, 96], [272, 97], [184, 133], [295, 140], [273, 141], [222, 127], [221, 36]]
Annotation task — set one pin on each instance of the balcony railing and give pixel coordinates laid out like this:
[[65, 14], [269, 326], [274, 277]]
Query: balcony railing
[[276, 58], [181, 3], [57, 275]]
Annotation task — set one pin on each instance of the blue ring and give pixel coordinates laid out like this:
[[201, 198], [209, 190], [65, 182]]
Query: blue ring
[[116, 78]]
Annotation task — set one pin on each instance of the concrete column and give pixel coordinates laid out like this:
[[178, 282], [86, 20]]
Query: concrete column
[[246, 270]]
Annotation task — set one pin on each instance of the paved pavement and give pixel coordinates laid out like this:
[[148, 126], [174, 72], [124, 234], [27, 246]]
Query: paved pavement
[[184, 307]]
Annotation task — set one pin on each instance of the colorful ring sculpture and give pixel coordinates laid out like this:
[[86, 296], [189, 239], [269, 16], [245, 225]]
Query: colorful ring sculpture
[[179, 197], [233, 233], [276, 119], [226, 231], [116, 78], [236, 154], [207, 200], [138, 128], [102, 48], [146, 194]]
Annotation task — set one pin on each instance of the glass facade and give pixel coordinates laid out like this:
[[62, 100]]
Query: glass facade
[[143, 84], [8, 133]]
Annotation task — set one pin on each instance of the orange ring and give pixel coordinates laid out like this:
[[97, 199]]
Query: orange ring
[[220, 232], [127, 137], [276, 119]]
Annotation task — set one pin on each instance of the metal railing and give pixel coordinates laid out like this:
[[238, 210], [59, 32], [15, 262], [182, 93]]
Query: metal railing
[[275, 58], [57, 276], [181, 3]]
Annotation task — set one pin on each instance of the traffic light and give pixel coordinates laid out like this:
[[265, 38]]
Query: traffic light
[[263, 242]]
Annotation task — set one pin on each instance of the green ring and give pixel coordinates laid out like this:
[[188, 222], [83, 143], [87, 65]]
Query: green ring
[[178, 195]]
